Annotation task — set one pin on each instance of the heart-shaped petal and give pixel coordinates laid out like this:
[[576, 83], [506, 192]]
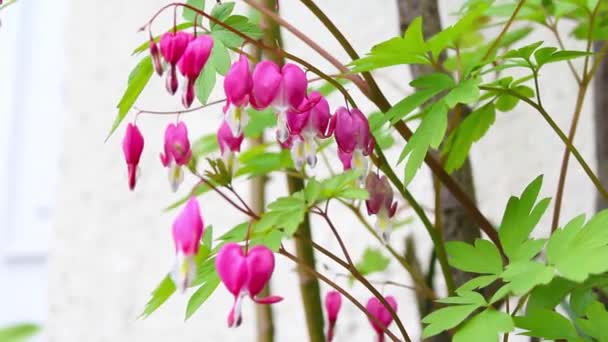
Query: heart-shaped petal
[[260, 265], [231, 267]]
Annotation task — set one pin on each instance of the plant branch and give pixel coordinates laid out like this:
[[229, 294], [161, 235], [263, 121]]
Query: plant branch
[[505, 28]]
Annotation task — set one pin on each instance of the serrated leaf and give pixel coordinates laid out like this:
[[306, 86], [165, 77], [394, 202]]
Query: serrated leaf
[[312, 191], [523, 276], [487, 327], [578, 251], [470, 130], [521, 215], [163, 291], [446, 318], [580, 300], [372, 261], [138, 78], [353, 194], [550, 295], [477, 283], [465, 92], [483, 257], [264, 163], [596, 322], [429, 134], [546, 324], [464, 297], [239, 23], [201, 295], [221, 11]]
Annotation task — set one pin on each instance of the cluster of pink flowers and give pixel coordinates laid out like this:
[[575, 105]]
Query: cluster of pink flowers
[[302, 118]]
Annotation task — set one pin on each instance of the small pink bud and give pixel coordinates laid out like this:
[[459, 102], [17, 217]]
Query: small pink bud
[[132, 146], [192, 63], [155, 54], [376, 309], [172, 48], [187, 233], [380, 203], [333, 302], [177, 152], [245, 275]]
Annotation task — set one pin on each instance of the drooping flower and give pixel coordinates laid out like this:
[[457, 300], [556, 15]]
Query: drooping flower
[[245, 274], [132, 146], [192, 63], [187, 233], [333, 302], [155, 54], [375, 307], [229, 145], [310, 120], [172, 47], [380, 203], [177, 152], [237, 87], [283, 89], [353, 137]]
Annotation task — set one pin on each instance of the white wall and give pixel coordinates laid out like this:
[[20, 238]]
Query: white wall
[[110, 247]]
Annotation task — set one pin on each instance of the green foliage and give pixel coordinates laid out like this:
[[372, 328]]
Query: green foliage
[[596, 322], [286, 214], [472, 128], [205, 82], [483, 257], [451, 316], [579, 250], [19, 332], [486, 326], [189, 14], [205, 145], [259, 121], [161, 293], [258, 162], [372, 261], [239, 23], [138, 79], [546, 324], [202, 294]]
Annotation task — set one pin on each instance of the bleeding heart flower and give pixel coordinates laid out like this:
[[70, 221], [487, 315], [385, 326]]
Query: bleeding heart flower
[[187, 233], [376, 309], [237, 87], [245, 274], [192, 63], [333, 302], [353, 137], [172, 47], [310, 120], [380, 203], [283, 89], [176, 152], [132, 146], [229, 145]]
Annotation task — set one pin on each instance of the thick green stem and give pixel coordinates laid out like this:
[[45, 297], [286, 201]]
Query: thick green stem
[[309, 285]]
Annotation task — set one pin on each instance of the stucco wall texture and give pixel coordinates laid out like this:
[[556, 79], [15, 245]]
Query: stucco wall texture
[[110, 247]]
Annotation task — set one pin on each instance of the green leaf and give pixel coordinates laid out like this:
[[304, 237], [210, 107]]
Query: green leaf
[[580, 300], [259, 121], [523, 276], [465, 27], [470, 130], [596, 322], [446, 318], [546, 324], [429, 134], [483, 257], [208, 237], [465, 92], [487, 327], [578, 251], [204, 85], [239, 23], [205, 145], [335, 185], [410, 49], [163, 291], [465, 297], [220, 58], [550, 295], [138, 79], [236, 234], [202, 294], [430, 85], [258, 164], [477, 283], [189, 14], [19, 332], [519, 219], [353, 194], [221, 11], [372, 261], [548, 55], [312, 191]]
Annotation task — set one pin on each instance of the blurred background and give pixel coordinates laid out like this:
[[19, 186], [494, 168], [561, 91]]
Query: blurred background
[[79, 253]]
